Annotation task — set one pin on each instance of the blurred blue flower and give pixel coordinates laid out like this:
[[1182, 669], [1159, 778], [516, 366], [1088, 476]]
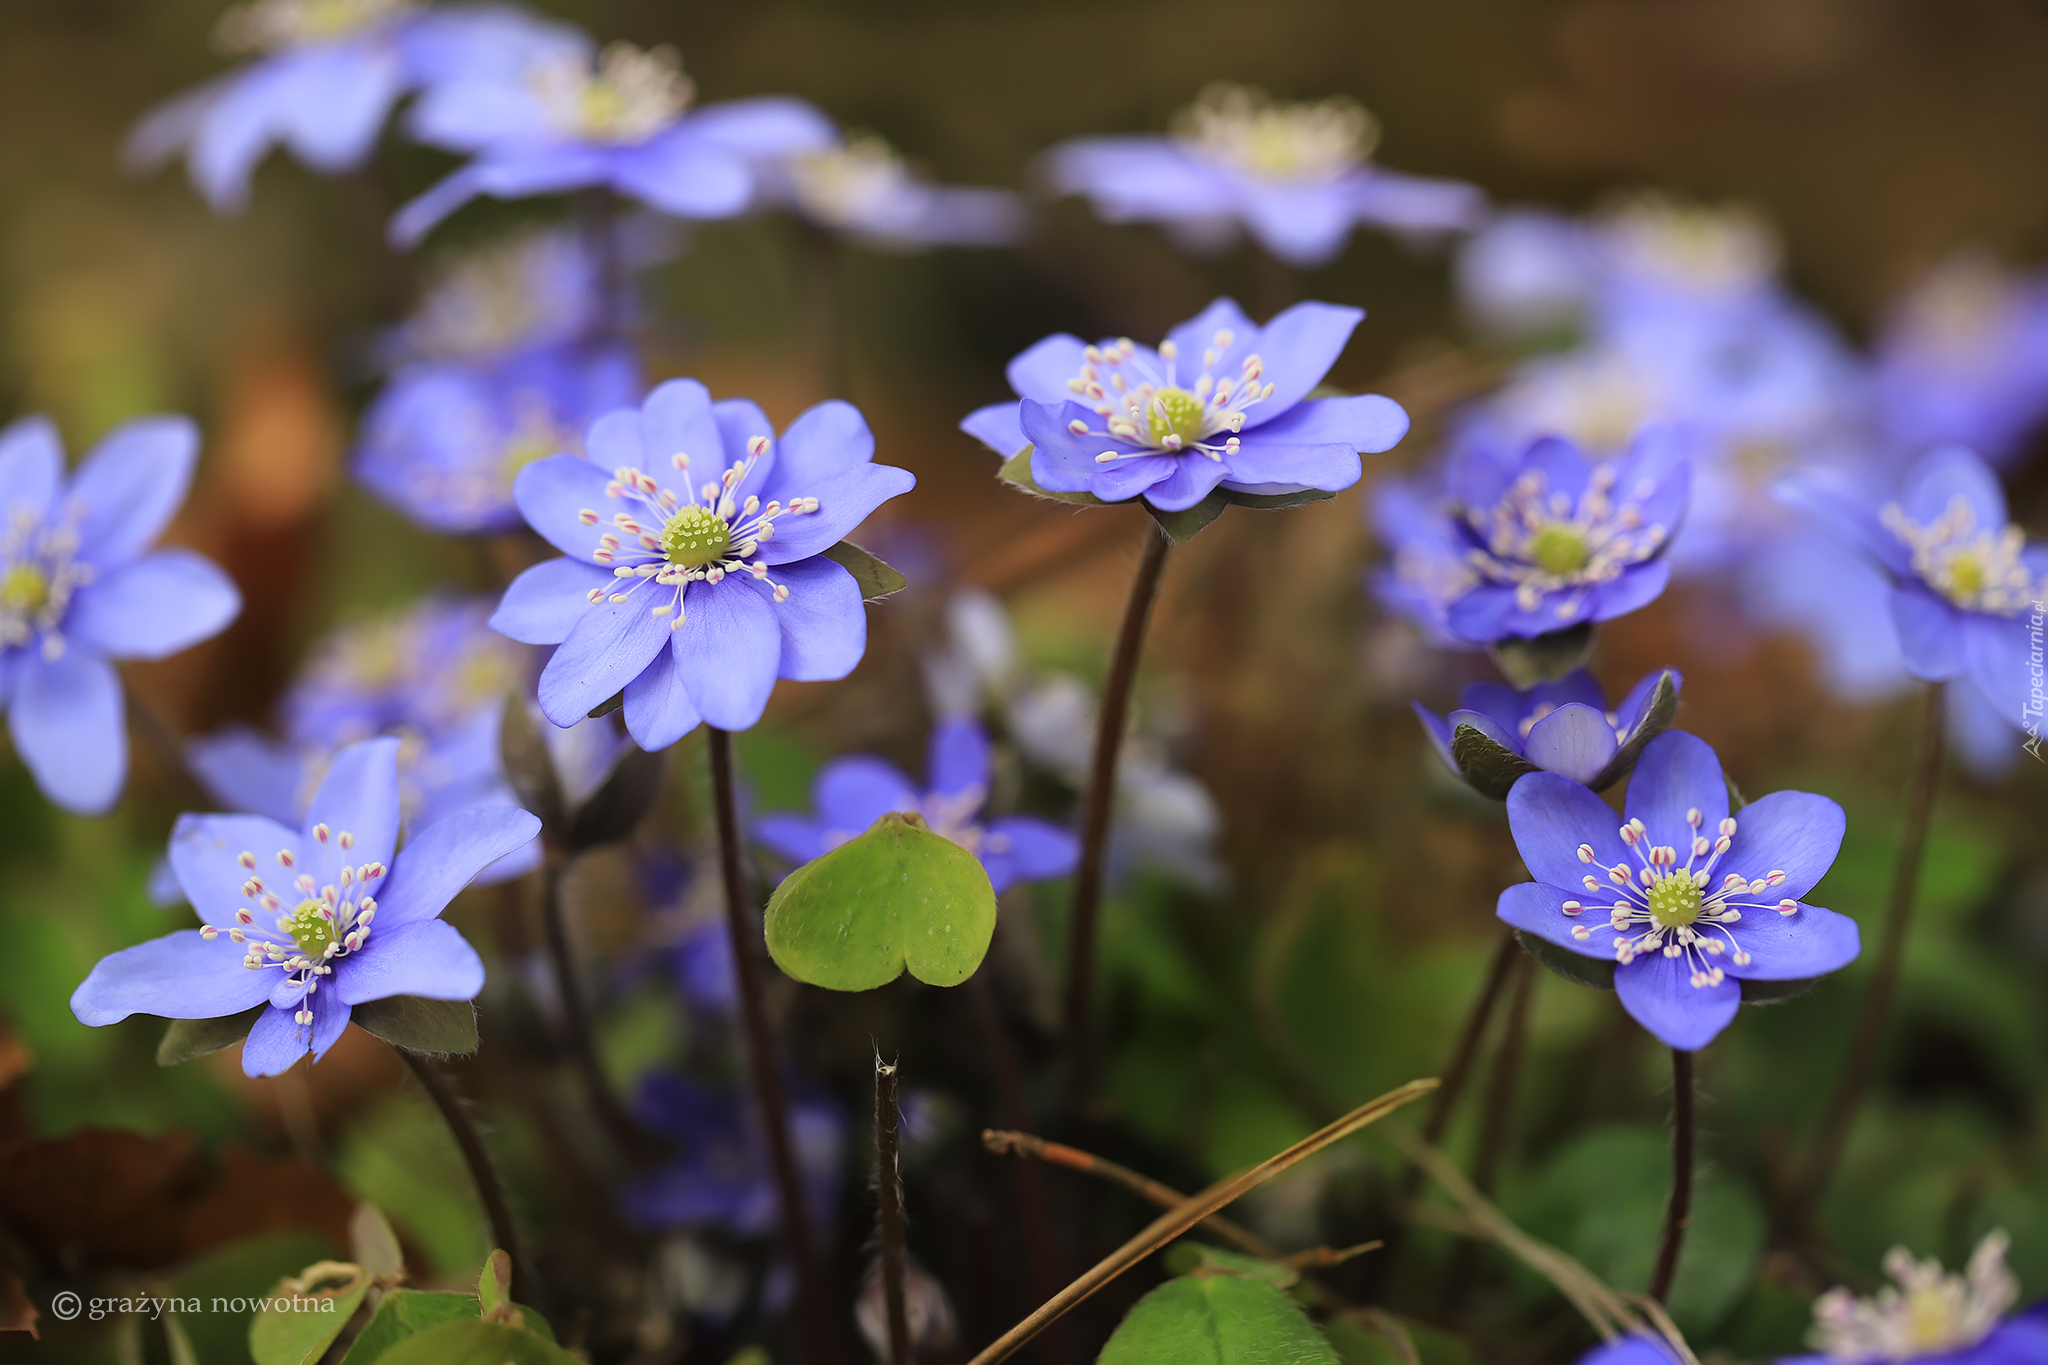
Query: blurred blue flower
[[520, 292], [1674, 933], [436, 677], [1120, 420], [713, 630], [567, 120], [1562, 727], [1963, 359], [1298, 176], [78, 588], [1551, 538], [316, 960], [722, 1179], [1965, 586], [852, 793], [330, 74], [1637, 1348], [860, 187], [1932, 1317]]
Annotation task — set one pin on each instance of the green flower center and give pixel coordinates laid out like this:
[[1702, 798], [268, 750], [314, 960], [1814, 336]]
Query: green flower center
[[1559, 550], [24, 590], [1675, 901], [310, 929], [1966, 571], [1175, 412], [696, 538]]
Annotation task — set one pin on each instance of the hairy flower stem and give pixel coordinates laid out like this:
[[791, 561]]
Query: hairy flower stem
[[504, 1234], [577, 1033], [762, 1062], [1677, 1213], [889, 1193], [1098, 804], [1868, 1039]]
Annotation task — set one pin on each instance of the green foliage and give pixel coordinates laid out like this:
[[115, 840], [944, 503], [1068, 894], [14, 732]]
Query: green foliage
[[1187, 1258], [1543, 658], [876, 579], [1217, 1318], [185, 1039], [419, 1025], [399, 1157], [1182, 526], [241, 1270], [405, 1313], [476, 1343], [1016, 472], [896, 897], [321, 1301]]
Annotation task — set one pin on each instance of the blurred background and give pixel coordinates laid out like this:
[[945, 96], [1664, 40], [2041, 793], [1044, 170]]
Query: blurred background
[[1337, 923]]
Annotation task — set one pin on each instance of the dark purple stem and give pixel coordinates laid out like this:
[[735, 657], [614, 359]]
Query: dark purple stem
[[1678, 1212]]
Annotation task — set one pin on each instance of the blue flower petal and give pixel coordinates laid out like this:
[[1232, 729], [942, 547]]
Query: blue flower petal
[[769, 128], [845, 500], [1930, 633], [1797, 833], [427, 958], [959, 758], [1807, 943], [551, 492], [1481, 616], [276, 1042], [1040, 372], [1304, 224], [131, 485], [1938, 478], [440, 860], [1439, 730], [824, 441], [1298, 348], [1366, 422], [203, 853], [1188, 479], [996, 426], [853, 793], [1676, 773], [795, 837], [247, 771], [1035, 848], [1537, 909], [658, 707], [824, 624], [1998, 655], [606, 650], [1658, 993], [683, 174], [1574, 740], [728, 650], [1550, 817], [1062, 462], [1195, 337], [67, 726], [31, 468], [335, 103], [178, 976], [1636, 588], [233, 132], [544, 603], [359, 794], [1265, 465], [156, 606]]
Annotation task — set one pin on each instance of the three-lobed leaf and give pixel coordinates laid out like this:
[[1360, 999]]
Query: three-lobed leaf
[[897, 897]]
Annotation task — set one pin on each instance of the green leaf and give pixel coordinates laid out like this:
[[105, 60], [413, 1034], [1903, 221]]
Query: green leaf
[[374, 1245], [609, 704], [1657, 718], [898, 896], [1186, 1258], [240, 1270], [405, 1313], [1542, 658], [476, 1343], [307, 1313], [1597, 972], [1216, 1319], [494, 1281], [1773, 992], [1486, 767], [621, 801], [189, 1038], [1016, 472], [420, 1025], [1180, 527], [877, 580], [1273, 502]]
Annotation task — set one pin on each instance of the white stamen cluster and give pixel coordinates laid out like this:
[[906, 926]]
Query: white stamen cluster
[[1708, 251], [1664, 906], [266, 25], [1977, 568], [504, 295], [673, 543], [39, 571], [1244, 127], [1149, 412], [632, 94], [845, 186], [1545, 542], [324, 925], [1929, 1313]]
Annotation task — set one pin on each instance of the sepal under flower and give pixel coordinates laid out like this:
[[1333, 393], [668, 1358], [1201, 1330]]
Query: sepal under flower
[[1500, 733]]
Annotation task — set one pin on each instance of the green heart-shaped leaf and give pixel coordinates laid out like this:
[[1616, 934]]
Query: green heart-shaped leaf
[[897, 897]]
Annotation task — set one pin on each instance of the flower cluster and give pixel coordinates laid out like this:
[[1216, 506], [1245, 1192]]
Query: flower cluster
[[861, 187], [1931, 1316], [1561, 727]]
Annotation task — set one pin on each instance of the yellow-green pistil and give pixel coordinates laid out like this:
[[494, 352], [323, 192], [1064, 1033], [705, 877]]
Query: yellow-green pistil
[[311, 926], [1175, 412], [1674, 901], [1559, 550], [24, 590], [696, 538]]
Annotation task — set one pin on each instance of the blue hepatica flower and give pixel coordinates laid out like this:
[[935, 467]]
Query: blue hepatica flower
[[1963, 359], [437, 677], [1933, 1317], [693, 588], [1298, 176], [860, 187], [78, 588], [1120, 420], [317, 920], [852, 793], [1637, 1348], [330, 72], [622, 121], [1683, 895], [1552, 539], [1964, 581], [722, 1179], [1561, 727]]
